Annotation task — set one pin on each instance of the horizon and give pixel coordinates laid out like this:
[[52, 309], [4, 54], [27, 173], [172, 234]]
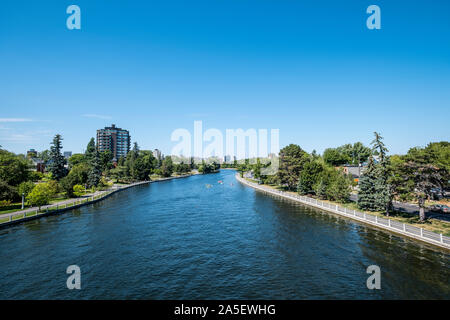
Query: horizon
[[314, 72]]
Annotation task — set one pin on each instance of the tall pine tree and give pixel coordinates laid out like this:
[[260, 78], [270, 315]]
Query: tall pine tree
[[57, 160], [95, 171]]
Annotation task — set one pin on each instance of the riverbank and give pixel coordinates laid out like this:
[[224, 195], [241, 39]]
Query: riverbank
[[60, 207], [372, 220]]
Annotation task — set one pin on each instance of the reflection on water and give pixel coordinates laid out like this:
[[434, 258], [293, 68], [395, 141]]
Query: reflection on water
[[181, 240]]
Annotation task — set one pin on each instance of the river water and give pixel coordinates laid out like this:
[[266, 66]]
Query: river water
[[183, 239]]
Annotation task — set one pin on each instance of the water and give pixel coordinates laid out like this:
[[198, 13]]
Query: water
[[181, 240]]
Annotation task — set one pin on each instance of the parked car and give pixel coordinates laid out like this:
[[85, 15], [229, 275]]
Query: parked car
[[441, 208]]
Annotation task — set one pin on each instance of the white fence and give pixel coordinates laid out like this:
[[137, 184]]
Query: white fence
[[384, 223]]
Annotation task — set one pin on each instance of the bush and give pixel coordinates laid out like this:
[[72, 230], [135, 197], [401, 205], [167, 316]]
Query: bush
[[41, 194], [5, 203], [78, 190]]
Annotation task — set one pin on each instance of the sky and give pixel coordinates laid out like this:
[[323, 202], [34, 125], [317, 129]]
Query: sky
[[311, 69]]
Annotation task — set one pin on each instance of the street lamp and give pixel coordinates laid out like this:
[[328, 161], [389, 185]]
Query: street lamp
[[23, 199]]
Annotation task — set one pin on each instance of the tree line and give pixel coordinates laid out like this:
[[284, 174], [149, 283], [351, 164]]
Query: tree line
[[419, 175]]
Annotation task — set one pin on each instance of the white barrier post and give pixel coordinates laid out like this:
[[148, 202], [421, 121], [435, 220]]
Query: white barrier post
[[389, 222], [404, 227], [442, 239], [421, 232], [376, 219]]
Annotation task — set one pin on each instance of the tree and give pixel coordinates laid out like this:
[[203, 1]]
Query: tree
[[95, 172], [57, 161], [13, 168], [335, 157], [40, 195], [106, 158], [7, 192], [339, 188], [426, 177], [309, 176], [366, 194], [360, 153], [320, 189], [167, 167], [78, 190], [25, 188], [292, 159], [44, 155], [422, 172], [78, 175], [75, 159], [90, 150]]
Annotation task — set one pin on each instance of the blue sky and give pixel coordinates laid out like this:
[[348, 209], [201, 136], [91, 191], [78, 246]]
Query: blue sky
[[309, 68]]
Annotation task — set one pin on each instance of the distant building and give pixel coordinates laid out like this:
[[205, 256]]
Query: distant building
[[67, 154], [227, 159], [39, 164], [116, 140], [31, 154], [157, 154]]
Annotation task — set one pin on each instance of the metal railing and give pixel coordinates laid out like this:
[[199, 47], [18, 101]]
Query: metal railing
[[385, 223], [16, 217]]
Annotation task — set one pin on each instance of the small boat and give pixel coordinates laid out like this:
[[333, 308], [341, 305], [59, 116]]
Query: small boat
[[220, 181]]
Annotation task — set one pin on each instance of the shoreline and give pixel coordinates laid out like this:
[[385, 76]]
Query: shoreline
[[56, 209], [385, 224]]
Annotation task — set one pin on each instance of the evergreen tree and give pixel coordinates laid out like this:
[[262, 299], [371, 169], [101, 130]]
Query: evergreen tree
[[90, 150], [321, 189], [309, 176], [366, 195], [57, 161], [95, 172]]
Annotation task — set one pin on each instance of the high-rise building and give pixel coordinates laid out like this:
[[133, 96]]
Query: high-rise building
[[31, 154], [67, 154], [114, 139], [157, 154]]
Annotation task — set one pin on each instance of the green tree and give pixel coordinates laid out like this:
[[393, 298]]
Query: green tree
[[167, 167], [41, 194], [7, 192], [25, 188], [95, 171], [292, 160], [75, 159], [90, 150], [13, 168], [367, 190], [78, 190], [309, 176], [106, 158], [57, 161], [339, 188], [335, 157]]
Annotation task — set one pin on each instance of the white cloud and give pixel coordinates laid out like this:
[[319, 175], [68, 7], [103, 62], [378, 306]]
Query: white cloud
[[97, 116], [15, 120]]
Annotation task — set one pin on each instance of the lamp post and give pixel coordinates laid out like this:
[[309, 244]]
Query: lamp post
[[23, 199]]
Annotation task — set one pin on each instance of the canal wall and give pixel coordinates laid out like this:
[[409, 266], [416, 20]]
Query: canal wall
[[383, 223], [20, 217]]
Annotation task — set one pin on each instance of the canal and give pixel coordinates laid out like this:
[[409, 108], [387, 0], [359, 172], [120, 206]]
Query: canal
[[195, 238]]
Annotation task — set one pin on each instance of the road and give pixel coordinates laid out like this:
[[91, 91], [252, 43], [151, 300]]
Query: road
[[412, 209]]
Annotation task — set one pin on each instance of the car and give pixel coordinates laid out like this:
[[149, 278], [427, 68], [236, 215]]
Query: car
[[440, 208]]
